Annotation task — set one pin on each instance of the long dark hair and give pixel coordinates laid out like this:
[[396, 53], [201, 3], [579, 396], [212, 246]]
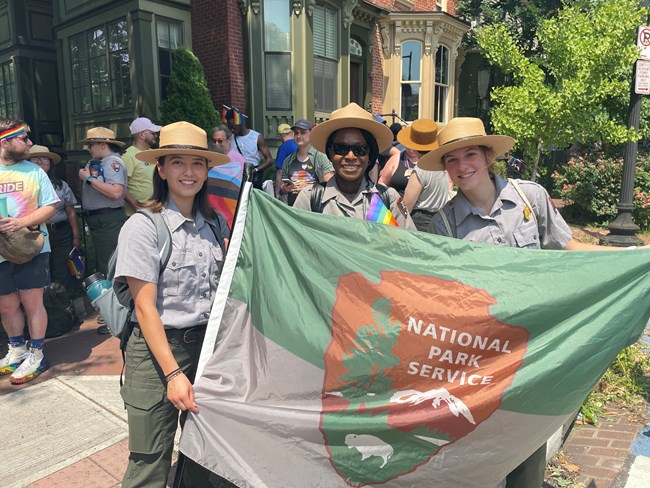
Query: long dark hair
[[161, 196], [373, 154]]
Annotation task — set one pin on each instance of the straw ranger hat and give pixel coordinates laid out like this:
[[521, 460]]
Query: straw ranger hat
[[43, 152], [185, 139], [421, 135], [354, 117], [101, 134], [463, 132]]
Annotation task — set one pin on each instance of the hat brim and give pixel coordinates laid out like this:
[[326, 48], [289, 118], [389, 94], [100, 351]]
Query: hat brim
[[319, 134], [214, 158], [404, 137], [107, 141], [432, 161], [54, 157]]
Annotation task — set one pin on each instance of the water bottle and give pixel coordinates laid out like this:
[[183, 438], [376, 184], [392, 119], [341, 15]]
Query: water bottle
[[96, 285]]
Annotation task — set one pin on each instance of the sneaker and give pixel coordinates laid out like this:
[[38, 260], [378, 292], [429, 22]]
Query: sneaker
[[13, 359], [31, 367]]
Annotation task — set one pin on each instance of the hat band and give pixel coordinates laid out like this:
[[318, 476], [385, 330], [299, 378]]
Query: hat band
[[100, 139], [423, 137], [466, 138], [183, 146]]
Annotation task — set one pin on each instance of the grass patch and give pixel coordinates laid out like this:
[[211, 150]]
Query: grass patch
[[626, 382]]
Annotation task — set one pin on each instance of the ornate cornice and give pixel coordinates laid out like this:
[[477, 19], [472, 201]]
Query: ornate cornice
[[296, 7], [309, 6], [243, 6], [255, 5], [348, 7]]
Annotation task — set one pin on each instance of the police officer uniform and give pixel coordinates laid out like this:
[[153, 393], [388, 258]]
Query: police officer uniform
[[509, 223], [336, 203], [186, 289]]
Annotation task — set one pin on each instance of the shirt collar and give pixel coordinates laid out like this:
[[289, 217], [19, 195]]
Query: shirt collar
[[176, 219], [332, 190], [505, 192]]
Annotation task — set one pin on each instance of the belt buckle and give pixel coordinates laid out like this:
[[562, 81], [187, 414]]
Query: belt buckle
[[189, 336]]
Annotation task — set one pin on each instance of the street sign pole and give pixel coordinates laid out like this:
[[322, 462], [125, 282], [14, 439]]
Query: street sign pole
[[622, 230]]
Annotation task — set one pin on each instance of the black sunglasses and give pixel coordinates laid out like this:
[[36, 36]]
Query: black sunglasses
[[358, 149]]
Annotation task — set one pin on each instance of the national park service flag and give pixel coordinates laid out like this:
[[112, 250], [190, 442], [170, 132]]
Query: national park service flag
[[348, 353]]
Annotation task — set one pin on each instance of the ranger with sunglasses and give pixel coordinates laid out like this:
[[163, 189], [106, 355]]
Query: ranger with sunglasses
[[352, 140]]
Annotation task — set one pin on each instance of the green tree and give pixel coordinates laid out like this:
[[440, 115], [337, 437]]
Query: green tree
[[188, 97], [577, 90], [520, 17]]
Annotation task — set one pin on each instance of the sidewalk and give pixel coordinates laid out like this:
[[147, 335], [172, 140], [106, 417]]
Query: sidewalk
[[79, 418]]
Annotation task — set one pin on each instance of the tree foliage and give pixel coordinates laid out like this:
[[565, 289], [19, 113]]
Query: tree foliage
[[520, 17], [577, 90], [188, 97]]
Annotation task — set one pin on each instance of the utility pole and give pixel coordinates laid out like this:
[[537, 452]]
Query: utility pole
[[622, 230]]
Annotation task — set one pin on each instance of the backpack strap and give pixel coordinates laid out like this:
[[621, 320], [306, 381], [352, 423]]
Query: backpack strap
[[317, 190], [445, 221], [164, 243], [523, 196], [383, 194], [216, 226]]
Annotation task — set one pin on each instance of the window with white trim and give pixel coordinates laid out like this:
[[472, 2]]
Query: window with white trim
[[441, 84], [411, 79], [326, 57]]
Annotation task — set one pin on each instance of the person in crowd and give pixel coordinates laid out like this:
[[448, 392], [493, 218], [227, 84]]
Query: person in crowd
[[222, 136], [398, 170], [250, 144], [224, 185], [352, 139], [105, 181], [392, 153], [28, 199], [491, 210], [172, 307], [288, 146], [139, 174], [63, 228], [306, 166], [425, 191]]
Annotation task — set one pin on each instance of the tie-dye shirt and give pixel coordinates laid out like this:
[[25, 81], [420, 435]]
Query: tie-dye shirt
[[26, 188]]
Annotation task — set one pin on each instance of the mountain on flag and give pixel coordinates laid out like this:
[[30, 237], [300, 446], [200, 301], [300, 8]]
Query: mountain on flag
[[342, 352]]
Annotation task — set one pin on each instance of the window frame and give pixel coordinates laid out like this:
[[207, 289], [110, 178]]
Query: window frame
[[163, 78], [325, 57], [417, 82], [94, 78], [8, 87], [282, 78], [441, 88]]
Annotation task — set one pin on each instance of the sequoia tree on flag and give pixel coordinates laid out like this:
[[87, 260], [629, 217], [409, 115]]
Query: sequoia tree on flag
[[350, 353]]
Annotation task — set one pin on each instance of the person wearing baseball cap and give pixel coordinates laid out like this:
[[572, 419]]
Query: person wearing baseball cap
[[139, 173], [306, 166], [288, 146]]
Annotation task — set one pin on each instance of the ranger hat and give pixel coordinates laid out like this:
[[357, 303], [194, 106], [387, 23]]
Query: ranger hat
[[37, 151], [101, 134]]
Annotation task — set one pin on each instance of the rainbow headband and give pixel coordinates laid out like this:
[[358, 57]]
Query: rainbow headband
[[13, 132]]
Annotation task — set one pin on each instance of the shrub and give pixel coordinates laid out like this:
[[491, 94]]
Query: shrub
[[188, 97], [590, 186]]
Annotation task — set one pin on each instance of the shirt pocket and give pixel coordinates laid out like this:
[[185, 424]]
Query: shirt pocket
[[527, 235], [180, 274]]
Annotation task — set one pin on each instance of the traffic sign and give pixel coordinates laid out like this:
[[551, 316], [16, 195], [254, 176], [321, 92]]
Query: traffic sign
[[643, 42], [642, 80]]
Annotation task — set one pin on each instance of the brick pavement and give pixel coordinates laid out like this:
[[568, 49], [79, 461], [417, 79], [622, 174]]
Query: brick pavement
[[602, 452]]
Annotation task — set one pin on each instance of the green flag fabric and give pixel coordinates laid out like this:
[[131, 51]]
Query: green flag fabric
[[342, 352]]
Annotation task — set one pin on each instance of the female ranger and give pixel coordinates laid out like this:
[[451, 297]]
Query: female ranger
[[352, 140], [171, 305], [489, 209]]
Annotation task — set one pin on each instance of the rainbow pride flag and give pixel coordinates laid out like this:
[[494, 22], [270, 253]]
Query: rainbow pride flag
[[379, 213], [223, 188]]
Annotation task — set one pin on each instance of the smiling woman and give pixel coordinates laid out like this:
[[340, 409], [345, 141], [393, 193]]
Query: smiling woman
[[172, 304], [352, 140]]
